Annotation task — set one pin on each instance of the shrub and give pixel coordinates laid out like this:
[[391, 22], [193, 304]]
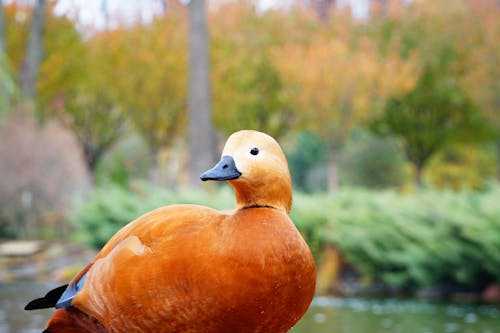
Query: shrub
[[374, 163], [423, 239], [128, 159], [41, 172], [307, 162]]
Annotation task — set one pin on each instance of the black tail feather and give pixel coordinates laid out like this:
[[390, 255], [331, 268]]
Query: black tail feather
[[48, 301]]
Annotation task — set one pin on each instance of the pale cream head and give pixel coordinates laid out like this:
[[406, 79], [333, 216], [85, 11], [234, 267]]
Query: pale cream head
[[265, 178]]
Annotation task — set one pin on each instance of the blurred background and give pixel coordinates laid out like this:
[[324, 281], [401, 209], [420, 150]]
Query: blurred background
[[388, 112]]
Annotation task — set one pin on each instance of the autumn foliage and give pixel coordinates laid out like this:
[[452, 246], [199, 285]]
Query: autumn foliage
[[283, 71]]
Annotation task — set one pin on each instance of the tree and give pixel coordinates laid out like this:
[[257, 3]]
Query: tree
[[380, 7], [6, 83], [105, 13], [247, 86], [481, 24], [17, 30], [248, 94], [436, 112], [335, 84], [34, 51], [323, 8], [200, 129], [164, 6], [463, 51], [69, 88], [77, 91], [154, 97]]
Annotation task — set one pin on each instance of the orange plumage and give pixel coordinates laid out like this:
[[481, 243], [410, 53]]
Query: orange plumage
[[187, 268]]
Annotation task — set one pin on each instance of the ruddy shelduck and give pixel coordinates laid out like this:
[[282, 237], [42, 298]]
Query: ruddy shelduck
[[187, 268]]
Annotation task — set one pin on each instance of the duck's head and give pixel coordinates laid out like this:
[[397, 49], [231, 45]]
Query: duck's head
[[256, 167]]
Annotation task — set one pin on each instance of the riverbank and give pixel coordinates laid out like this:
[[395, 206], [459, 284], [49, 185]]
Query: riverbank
[[44, 261], [336, 277]]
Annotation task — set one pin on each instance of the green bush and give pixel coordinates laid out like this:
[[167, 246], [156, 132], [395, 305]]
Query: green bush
[[374, 163], [127, 160], [307, 162], [424, 239]]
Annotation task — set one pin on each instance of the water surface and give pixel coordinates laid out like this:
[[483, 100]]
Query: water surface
[[13, 298], [326, 315], [353, 315]]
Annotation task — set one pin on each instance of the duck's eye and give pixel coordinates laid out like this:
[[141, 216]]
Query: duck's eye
[[254, 151]]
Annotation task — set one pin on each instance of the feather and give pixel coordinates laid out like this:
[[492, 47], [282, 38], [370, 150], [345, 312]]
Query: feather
[[48, 301]]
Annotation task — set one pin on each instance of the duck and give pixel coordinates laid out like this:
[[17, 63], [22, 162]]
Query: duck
[[190, 268]]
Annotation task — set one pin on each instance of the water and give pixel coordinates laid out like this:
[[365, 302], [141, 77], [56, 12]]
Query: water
[[352, 315], [13, 298], [326, 315]]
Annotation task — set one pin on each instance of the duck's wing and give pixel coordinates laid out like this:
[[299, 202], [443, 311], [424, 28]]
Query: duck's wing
[[62, 296], [135, 263]]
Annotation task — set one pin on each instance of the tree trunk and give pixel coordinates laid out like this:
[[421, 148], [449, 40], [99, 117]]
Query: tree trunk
[[34, 52], [201, 133], [382, 7], [323, 8], [419, 169], [154, 170], [164, 6], [498, 159], [3, 44], [333, 171], [93, 155], [105, 13], [6, 86]]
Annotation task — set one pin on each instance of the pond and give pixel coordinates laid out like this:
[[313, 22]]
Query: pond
[[326, 315], [353, 315]]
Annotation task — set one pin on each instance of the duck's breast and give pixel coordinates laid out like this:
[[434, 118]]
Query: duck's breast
[[267, 268]]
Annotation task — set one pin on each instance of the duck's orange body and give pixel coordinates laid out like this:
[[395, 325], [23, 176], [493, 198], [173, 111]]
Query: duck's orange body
[[187, 268]]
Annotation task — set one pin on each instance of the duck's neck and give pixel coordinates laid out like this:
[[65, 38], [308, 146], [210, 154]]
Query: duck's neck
[[273, 195]]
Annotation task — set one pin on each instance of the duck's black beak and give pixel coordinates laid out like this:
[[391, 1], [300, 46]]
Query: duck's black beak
[[224, 170]]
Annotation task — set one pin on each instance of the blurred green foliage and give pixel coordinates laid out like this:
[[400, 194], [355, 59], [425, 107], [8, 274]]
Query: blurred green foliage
[[373, 162], [436, 112], [419, 240], [129, 159], [250, 97], [305, 158], [365, 161], [7, 87], [424, 239], [462, 166]]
